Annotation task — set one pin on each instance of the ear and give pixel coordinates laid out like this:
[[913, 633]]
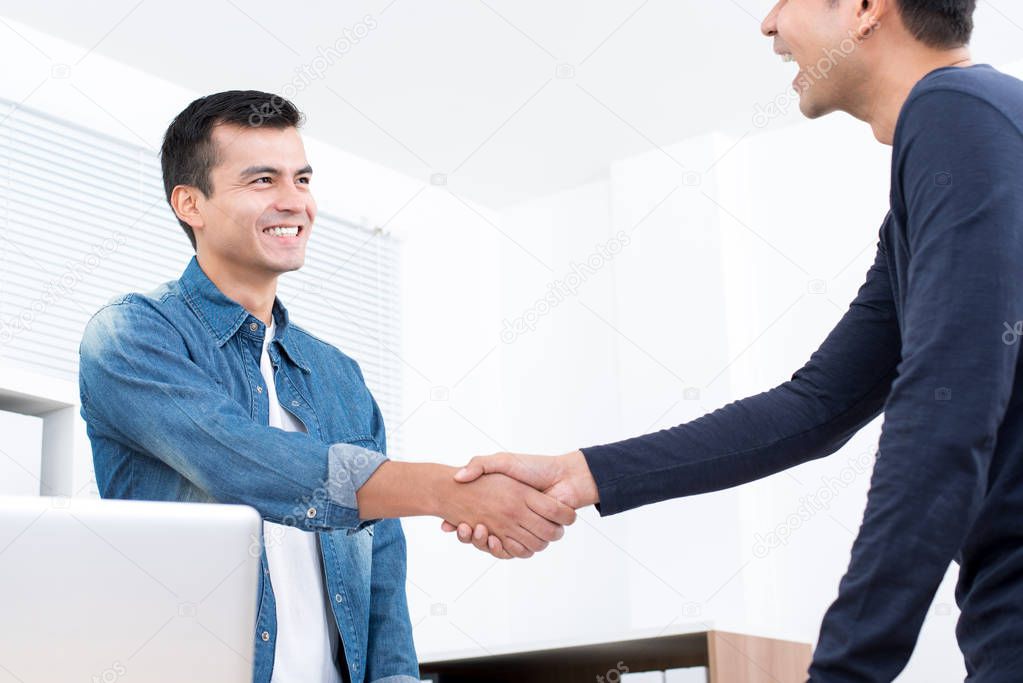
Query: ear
[[870, 14], [185, 202]]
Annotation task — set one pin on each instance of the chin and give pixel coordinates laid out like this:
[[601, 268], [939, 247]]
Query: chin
[[286, 266], [293, 265], [812, 109]]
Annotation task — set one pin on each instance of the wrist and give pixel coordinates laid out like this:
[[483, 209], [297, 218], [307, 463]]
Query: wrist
[[576, 470], [437, 487]]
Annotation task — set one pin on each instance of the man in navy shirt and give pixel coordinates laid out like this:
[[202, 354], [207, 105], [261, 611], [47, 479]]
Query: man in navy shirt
[[930, 340]]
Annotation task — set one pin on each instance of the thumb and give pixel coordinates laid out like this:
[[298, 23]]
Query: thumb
[[471, 472]]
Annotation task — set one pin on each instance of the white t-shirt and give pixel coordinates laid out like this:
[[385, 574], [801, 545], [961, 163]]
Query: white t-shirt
[[307, 639]]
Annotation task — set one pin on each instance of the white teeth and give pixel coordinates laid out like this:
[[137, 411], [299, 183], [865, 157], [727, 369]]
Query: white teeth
[[283, 231]]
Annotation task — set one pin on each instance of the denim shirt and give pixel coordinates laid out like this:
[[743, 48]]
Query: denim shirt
[[172, 396]]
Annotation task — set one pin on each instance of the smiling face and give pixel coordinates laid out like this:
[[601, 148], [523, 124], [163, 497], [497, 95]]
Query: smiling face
[[259, 216], [825, 38]]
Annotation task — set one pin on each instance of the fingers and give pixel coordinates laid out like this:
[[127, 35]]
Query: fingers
[[515, 549], [494, 546], [483, 464], [482, 539], [479, 537], [550, 509], [542, 529], [447, 526], [514, 519]]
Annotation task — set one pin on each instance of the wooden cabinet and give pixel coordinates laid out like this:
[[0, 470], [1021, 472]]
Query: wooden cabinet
[[729, 658]]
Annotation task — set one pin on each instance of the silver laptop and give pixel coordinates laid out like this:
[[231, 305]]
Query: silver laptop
[[122, 591]]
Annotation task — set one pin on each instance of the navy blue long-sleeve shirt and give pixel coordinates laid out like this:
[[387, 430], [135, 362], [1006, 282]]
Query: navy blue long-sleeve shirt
[[932, 340]]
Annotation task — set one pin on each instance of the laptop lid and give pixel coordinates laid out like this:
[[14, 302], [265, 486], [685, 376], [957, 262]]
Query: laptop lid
[[117, 590]]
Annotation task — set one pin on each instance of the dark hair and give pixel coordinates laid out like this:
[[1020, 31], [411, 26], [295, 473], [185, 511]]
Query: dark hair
[[943, 24], [188, 153]]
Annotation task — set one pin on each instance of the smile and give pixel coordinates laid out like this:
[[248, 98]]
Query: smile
[[283, 230]]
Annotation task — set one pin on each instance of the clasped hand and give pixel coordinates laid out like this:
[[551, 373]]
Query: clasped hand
[[552, 488]]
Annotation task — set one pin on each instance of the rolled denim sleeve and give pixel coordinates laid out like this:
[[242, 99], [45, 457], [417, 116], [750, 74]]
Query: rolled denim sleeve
[[140, 385]]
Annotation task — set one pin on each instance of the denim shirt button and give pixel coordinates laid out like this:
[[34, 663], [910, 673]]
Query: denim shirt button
[[310, 513], [253, 326], [295, 404], [265, 636], [339, 598], [259, 390]]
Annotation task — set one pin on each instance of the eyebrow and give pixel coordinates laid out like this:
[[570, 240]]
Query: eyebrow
[[271, 170]]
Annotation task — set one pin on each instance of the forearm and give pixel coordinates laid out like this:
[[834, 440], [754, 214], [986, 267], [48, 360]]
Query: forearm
[[741, 442], [405, 489]]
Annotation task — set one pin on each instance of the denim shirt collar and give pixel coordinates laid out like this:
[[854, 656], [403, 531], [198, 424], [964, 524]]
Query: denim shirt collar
[[223, 316]]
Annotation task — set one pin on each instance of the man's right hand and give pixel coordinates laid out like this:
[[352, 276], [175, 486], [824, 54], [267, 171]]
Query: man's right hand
[[566, 478], [522, 518]]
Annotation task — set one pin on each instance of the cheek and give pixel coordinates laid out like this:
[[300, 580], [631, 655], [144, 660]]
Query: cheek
[[246, 213], [796, 26]]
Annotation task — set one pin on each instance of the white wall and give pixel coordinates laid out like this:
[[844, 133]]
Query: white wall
[[20, 454]]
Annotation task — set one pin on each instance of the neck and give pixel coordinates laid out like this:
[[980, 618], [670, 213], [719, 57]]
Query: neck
[[889, 90], [255, 292]]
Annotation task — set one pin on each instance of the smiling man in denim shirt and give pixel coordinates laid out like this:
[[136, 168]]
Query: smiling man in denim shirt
[[203, 390]]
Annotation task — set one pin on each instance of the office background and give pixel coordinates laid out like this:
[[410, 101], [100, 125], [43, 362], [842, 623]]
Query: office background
[[544, 226]]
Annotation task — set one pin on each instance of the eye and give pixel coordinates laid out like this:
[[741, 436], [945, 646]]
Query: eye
[[305, 179], [260, 180]]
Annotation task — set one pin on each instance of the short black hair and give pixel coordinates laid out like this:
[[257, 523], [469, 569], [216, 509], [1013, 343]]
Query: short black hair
[[188, 153], [942, 24]]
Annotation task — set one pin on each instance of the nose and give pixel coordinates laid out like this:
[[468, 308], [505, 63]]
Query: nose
[[291, 199], [769, 27]]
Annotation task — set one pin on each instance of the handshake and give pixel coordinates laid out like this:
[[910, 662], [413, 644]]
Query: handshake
[[514, 505]]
